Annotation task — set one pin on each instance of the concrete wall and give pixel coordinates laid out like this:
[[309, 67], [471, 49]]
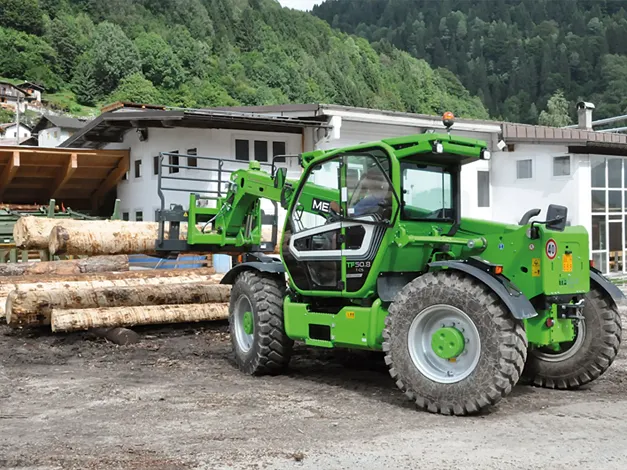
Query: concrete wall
[[140, 194], [513, 197], [10, 133], [53, 136]]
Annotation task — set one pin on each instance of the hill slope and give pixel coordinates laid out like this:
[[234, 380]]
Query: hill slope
[[514, 54], [198, 53]]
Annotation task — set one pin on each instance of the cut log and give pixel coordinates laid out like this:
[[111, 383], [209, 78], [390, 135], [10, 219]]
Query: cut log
[[83, 319], [11, 283], [32, 233], [103, 237], [121, 336], [24, 207], [33, 307], [96, 264]]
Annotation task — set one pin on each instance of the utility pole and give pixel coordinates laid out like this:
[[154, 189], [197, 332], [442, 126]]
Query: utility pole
[[17, 116]]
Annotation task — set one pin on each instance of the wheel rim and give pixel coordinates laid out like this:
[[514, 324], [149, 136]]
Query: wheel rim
[[572, 348], [435, 326], [244, 324]]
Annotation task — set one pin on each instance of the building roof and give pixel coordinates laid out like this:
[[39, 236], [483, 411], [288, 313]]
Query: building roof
[[64, 122], [24, 92], [34, 86], [111, 126], [79, 178], [8, 125]]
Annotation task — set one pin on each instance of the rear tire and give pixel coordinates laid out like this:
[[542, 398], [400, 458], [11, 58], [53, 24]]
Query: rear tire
[[593, 351], [499, 359], [266, 349]]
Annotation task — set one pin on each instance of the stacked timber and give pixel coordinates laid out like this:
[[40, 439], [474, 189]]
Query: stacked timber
[[97, 264]]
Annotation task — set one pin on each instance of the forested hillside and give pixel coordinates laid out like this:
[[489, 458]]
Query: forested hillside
[[199, 53], [514, 54]]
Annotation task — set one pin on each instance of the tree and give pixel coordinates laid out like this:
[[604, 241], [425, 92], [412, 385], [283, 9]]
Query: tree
[[66, 37], [557, 114], [159, 64], [113, 55], [84, 82], [137, 89], [22, 15]]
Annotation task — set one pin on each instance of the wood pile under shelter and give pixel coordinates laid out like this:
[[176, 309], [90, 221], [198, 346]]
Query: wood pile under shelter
[[100, 291]]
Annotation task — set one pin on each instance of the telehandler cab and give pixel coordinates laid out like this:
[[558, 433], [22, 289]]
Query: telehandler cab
[[375, 255]]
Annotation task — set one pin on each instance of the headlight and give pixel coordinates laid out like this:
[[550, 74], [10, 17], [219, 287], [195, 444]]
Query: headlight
[[439, 148], [485, 154]]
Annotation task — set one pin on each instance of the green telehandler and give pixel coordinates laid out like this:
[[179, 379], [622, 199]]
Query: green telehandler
[[375, 255]]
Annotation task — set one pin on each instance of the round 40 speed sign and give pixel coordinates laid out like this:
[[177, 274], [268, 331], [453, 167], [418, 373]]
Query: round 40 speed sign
[[551, 249]]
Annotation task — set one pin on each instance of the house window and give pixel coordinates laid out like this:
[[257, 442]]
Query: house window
[[278, 148], [523, 169], [261, 150], [561, 166], [125, 216], [56, 134], [155, 165], [138, 168], [174, 161], [139, 216], [483, 188], [241, 150], [192, 161]]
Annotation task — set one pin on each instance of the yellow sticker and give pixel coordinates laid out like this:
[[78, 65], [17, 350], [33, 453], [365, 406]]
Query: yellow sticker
[[567, 263], [535, 267], [350, 315], [185, 215]]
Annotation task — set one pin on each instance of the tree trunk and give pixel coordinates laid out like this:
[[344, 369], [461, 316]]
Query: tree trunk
[[98, 284], [10, 283], [97, 264], [32, 233], [73, 320], [25, 308]]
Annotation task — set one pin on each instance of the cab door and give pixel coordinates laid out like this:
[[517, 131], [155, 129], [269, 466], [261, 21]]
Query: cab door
[[368, 205], [312, 249]]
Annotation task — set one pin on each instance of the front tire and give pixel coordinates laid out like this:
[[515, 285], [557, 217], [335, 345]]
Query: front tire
[[594, 349], [258, 336], [446, 305]]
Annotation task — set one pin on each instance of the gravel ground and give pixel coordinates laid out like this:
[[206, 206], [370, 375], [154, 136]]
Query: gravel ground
[[176, 401]]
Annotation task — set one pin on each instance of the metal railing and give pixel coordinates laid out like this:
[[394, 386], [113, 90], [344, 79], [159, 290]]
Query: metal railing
[[172, 172]]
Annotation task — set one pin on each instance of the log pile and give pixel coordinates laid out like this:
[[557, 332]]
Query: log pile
[[100, 292]]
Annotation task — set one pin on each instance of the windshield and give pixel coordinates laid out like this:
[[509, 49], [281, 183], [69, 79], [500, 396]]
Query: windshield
[[427, 192]]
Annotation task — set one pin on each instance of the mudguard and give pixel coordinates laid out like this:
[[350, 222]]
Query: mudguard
[[610, 289], [513, 298], [274, 267]]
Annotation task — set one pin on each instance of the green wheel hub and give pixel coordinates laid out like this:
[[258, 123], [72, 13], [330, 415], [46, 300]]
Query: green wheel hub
[[448, 342], [248, 323]]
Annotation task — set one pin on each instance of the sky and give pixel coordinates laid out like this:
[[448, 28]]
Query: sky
[[300, 4]]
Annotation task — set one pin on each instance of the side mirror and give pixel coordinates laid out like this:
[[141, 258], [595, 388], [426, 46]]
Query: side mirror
[[279, 177], [556, 217], [528, 215]]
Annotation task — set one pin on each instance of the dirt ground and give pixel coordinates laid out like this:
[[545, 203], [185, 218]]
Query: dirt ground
[[176, 401]]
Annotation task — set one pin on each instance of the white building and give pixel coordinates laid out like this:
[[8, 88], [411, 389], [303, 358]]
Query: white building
[[11, 135], [533, 167], [52, 130], [15, 98]]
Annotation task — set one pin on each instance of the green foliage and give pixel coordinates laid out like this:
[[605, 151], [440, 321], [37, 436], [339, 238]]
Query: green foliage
[[513, 54], [22, 15], [136, 89], [202, 53], [6, 116], [159, 63], [557, 114], [113, 56]]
